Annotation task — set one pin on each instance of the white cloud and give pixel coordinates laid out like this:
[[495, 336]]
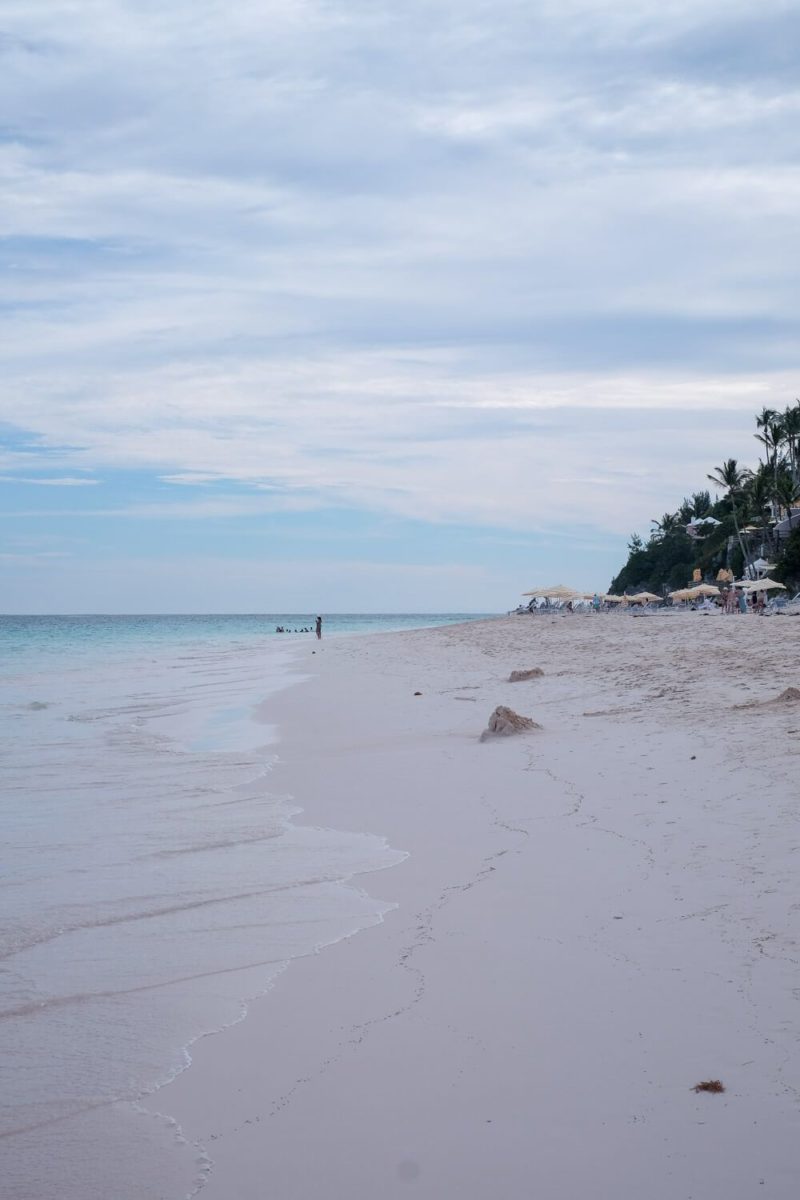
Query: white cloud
[[67, 481], [508, 264], [413, 440]]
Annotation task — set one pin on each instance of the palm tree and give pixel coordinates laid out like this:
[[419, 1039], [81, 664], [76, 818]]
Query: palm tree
[[791, 434], [787, 492], [685, 513], [766, 417], [772, 437], [732, 478], [760, 490], [701, 502], [669, 523]]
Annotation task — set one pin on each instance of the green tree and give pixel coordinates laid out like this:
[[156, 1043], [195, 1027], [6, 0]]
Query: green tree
[[701, 503], [791, 432], [669, 524], [788, 568], [765, 422], [786, 493], [772, 437], [732, 478], [759, 491]]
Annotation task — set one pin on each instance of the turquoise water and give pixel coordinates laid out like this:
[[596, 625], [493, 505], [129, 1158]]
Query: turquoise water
[[21, 634], [152, 883]]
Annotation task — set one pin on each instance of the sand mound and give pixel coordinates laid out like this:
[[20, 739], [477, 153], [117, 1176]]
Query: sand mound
[[521, 676], [504, 721]]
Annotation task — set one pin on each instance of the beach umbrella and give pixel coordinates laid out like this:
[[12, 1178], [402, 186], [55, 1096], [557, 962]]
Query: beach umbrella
[[692, 593], [558, 591], [612, 599], [706, 589], [762, 585], [643, 598]]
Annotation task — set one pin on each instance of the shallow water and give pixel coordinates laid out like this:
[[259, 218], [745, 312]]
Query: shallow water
[[151, 883]]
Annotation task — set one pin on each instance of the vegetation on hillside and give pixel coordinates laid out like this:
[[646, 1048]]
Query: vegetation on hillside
[[752, 518]]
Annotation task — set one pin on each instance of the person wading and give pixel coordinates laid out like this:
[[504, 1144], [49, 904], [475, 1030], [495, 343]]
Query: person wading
[[319, 627]]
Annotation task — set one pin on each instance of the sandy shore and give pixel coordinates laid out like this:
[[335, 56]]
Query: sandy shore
[[593, 918]]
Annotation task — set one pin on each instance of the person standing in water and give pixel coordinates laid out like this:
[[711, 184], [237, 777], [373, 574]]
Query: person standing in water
[[319, 627]]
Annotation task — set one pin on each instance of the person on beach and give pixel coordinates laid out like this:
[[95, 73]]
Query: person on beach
[[318, 627]]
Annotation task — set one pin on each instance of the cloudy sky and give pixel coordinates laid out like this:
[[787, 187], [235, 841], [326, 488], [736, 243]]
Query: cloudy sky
[[349, 305]]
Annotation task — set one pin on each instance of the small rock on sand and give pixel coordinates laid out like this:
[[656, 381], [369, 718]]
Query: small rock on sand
[[789, 695], [504, 721], [521, 676]]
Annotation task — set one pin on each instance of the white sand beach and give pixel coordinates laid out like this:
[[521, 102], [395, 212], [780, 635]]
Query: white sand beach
[[593, 918]]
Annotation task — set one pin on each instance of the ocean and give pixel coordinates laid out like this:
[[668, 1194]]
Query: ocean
[[151, 883]]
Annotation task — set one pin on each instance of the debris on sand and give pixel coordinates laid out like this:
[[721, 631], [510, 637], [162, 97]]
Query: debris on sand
[[521, 676], [709, 1085], [504, 721]]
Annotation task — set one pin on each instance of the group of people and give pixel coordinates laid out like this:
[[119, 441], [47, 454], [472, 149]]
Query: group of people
[[741, 601], [306, 628], [734, 600]]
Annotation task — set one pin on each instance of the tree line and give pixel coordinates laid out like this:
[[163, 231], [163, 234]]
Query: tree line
[[753, 517]]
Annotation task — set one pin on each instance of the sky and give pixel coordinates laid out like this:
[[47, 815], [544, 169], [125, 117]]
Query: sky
[[366, 306]]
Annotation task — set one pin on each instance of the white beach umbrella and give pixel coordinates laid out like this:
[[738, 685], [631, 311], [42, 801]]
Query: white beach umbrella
[[762, 585], [706, 589], [558, 591]]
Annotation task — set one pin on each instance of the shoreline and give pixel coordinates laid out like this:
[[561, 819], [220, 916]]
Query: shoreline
[[150, 921], [435, 1050]]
